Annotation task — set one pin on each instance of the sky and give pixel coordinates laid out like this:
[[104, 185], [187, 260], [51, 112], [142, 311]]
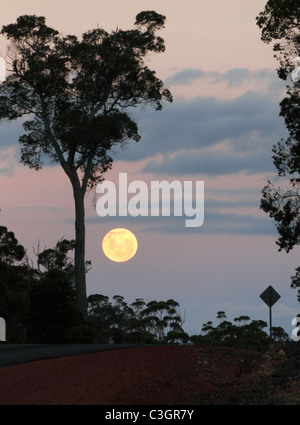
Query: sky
[[220, 129]]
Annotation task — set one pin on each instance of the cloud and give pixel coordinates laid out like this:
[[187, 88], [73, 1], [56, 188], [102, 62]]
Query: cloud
[[249, 124], [229, 223], [210, 162], [188, 76], [9, 146], [216, 223], [233, 77], [10, 132], [8, 161]]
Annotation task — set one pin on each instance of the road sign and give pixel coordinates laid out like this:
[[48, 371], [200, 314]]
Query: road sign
[[270, 296]]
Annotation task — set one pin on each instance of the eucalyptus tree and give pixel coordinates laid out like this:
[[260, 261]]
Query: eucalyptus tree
[[78, 95], [280, 24], [161, 317], [10, 249]]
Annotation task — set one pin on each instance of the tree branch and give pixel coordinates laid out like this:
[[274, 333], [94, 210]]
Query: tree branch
[[53, 140]]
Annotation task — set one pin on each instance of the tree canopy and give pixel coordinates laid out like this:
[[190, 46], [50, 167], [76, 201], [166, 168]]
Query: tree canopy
[[76, 91], [280, 22]]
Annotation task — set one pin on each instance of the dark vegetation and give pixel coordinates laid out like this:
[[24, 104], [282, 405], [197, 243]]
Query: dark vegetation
[[279, 24], [39, 305]]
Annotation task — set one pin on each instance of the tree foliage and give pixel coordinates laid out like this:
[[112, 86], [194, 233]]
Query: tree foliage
[[244, 332], [15, 280], [10, 249], [52, 311], [154, 322], [280, 23]]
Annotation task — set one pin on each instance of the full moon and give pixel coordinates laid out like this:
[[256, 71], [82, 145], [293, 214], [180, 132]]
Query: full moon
[[119, 245]]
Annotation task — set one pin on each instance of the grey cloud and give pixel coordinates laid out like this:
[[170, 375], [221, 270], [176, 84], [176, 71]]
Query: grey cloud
[[188, 76], [209, 162], [237, 203], [7, 161], [251, 121], [231, 223], [233, 77], [237, 76], [10, 131], [214, 223], [9, 146]]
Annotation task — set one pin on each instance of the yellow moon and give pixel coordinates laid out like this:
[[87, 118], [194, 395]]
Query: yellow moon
[[119, 245]]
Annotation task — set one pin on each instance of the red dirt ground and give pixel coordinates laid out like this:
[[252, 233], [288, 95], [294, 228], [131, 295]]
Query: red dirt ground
[[163, 375]]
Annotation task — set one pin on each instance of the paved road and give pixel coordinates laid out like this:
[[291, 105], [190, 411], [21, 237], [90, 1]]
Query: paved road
[[11, 354]]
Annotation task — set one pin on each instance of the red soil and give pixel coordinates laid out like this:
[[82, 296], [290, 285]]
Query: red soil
[[165, 375]]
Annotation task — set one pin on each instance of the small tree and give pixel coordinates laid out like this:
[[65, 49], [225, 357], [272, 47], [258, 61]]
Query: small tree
[[162, 317], [207, 327], [242, 320], [250, 335], [11, 252], [52, 308], [221, 315], [15, 279], [78, 94], [279, 334]]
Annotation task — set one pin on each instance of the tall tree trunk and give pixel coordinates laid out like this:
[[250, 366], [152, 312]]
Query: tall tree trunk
[[80, 279]]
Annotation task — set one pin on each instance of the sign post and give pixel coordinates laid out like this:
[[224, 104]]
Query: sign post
[[270, 297]]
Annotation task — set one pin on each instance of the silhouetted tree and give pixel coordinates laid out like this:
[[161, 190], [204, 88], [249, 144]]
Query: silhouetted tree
[[118, 322], [279, 23], [52, 307], [52, 297], [10, 249], [15, 280], [242, 320], [77, 94], [207, 327], [57, 258], [162, 317], [279, 335], [296, 281], [247, 335], [221, 315]]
